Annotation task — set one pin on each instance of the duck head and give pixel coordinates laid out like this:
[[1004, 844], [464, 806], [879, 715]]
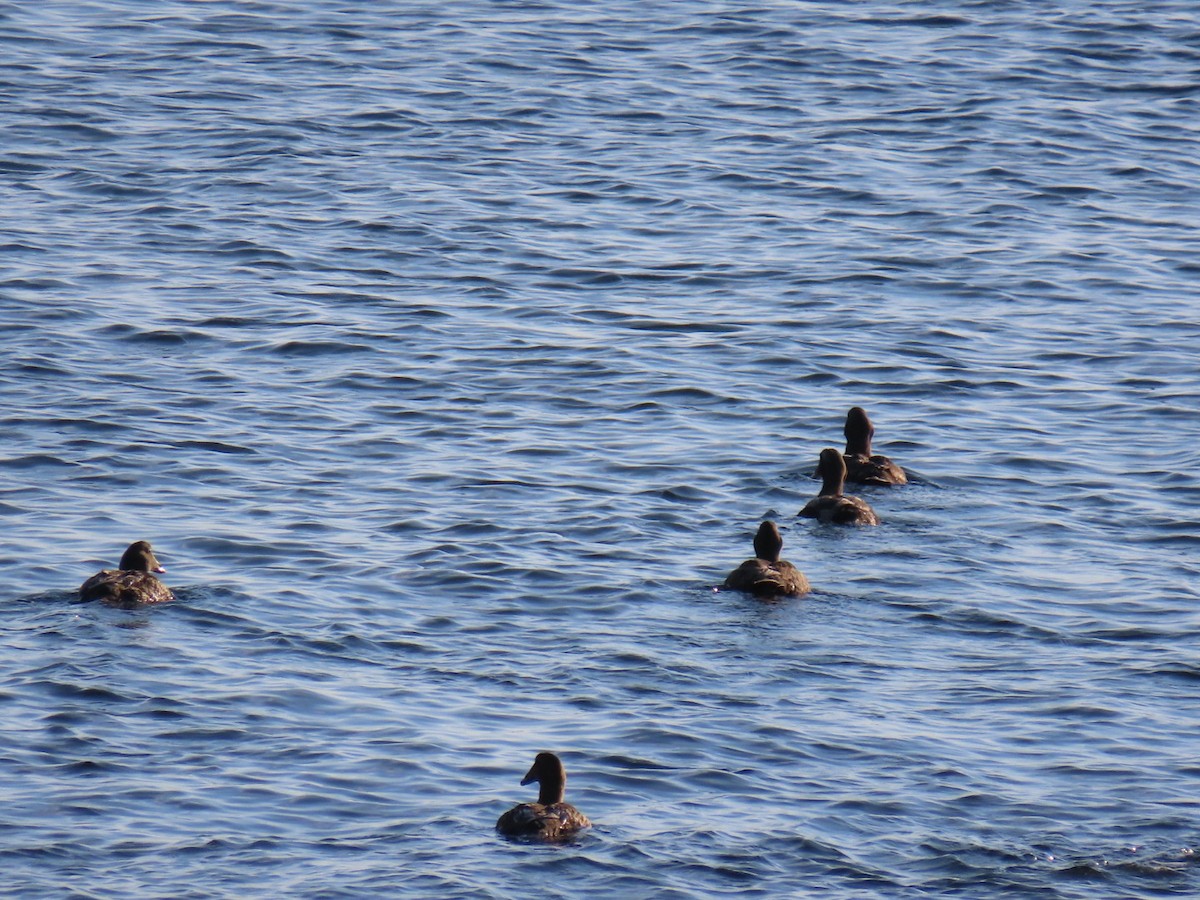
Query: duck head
[[768, 543], [547, 770], [859, 432], [140, 558], [832, 469]]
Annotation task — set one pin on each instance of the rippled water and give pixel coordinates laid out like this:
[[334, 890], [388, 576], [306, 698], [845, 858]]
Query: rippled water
[[451, 353]]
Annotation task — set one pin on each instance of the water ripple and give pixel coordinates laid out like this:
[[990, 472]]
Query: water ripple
[[450, 356]]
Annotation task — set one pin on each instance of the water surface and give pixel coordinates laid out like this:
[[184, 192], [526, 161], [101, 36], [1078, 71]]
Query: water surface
[[450, 355]]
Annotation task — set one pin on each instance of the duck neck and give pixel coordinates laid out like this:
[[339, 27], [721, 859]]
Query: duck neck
[[858, 440], [767, 545], [858, 432], [833, 482], [550, 789], [859, 445]]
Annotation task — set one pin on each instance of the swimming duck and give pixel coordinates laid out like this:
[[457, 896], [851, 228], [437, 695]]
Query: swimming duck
[[130, 585], [549, 819], [861, 466], [767, 575], [831, 505]]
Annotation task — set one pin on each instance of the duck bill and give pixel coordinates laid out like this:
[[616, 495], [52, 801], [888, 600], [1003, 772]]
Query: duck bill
[[159, 569], [530, 777]]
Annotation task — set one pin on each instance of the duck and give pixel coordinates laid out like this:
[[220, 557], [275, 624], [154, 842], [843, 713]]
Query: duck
[[550, 819], [831, 505], [767, 575], [861, 466], [130, 585]]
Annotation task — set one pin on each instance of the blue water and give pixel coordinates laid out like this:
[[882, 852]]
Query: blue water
[[451, 353]]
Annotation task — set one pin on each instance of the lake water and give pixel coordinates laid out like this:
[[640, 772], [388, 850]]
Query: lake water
[[451, 353]]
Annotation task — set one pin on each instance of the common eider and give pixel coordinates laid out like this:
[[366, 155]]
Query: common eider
[[767, 575], [550, 819], [133, 584], [861, 466], [831, 505]]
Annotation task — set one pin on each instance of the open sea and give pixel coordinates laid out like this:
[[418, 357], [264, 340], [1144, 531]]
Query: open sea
[[450, 355]]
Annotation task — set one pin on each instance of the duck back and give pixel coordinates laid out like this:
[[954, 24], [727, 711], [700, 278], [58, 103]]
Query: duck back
[[125, 589], [877, 470], [767, 579], [842, 509], [546, 822]]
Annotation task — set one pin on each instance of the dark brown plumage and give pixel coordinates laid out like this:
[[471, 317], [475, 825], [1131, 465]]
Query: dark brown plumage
[[831, 505], [767, 575], [861, 466], [130, 585], [550, 819]]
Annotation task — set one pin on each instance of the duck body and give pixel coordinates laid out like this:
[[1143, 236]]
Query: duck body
[[832, 505], [767, 575], [542, 821], [550, 819], [765, 579], [878, 470], [862, 466], [843, 510], [131, 585]]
